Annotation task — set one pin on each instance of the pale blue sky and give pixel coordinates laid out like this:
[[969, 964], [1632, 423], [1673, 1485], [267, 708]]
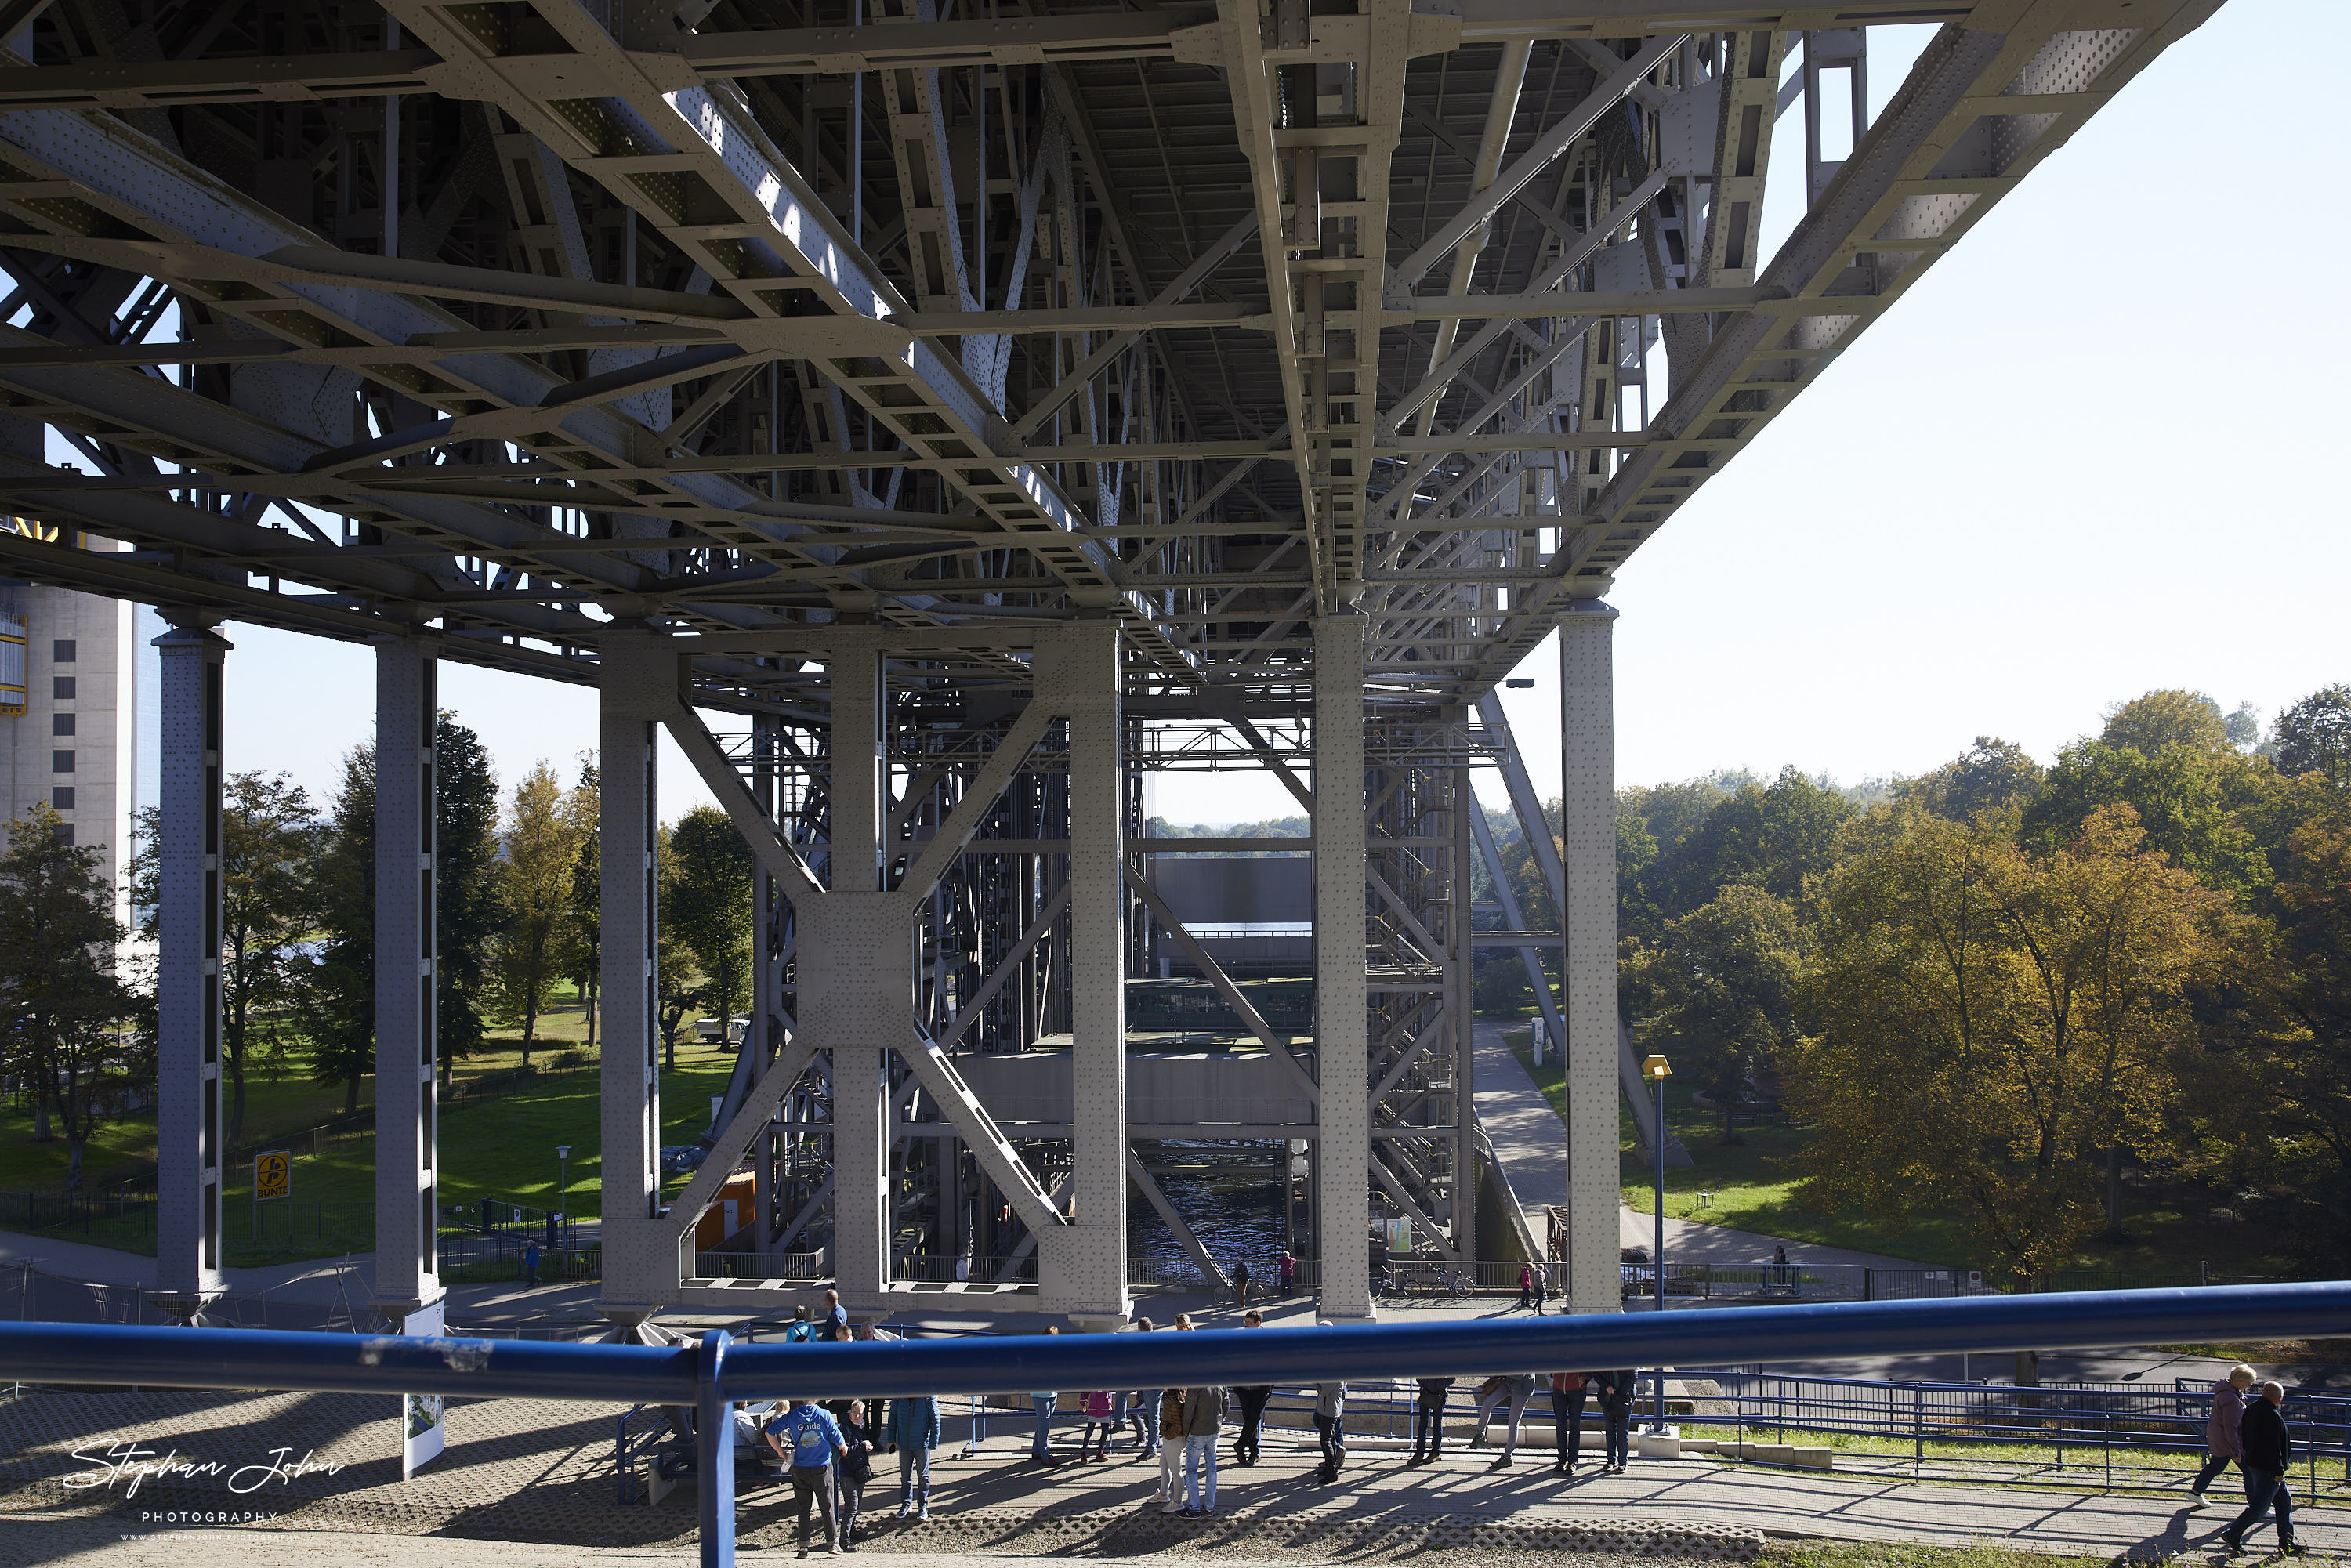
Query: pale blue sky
[[2024, 495]]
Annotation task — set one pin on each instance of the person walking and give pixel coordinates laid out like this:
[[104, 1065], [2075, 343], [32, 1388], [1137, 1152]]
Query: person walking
[[850, 1471], [1140, 1407], [1616, 1394], [1491, 1393], [1429, 1419], [2268, 1455], [1289, 1267], [1518, 1391], [915, 1427], [1204, 1419], [1330, 1426], [530, 1261], [808, 1440], [1542, 1288], [1170, 1449], [1252, 1403], [1241, 1284], [1041, 1401], [1526, 1286], [2223, 1443], [1567, 1393], [1100, 1407]]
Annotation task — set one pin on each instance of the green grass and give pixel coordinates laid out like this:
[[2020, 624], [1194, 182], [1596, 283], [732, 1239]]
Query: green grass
[[501, 1148], [1752, 1185]]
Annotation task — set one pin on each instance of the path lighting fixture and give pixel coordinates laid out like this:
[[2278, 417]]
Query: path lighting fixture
[[1656, 1070]]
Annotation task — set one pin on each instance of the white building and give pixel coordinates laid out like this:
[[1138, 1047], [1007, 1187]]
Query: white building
[[69, 741]]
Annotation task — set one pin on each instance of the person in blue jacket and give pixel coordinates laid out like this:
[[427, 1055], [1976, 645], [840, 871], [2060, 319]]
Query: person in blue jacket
[[809, 1439], [914, 1427]]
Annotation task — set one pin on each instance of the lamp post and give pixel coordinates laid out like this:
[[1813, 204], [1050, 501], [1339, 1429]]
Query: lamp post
[[563, 1189], [1656, 1070]]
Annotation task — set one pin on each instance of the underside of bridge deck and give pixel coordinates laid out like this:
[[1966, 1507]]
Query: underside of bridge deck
[[939, 417]]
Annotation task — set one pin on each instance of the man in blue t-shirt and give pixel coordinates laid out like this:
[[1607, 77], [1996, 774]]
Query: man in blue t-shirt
[[807, 1438], [835, 1323]]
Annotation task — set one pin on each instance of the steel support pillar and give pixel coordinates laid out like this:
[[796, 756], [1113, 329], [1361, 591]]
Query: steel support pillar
[[1462, 1005], [189, 1155], [406, 1255], [640, 1258], [1082, 1266], [852, 968], [1587, 704], [1342, 1155]]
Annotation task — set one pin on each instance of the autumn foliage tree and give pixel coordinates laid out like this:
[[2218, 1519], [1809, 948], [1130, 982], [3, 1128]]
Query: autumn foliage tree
[[1989, 1023]]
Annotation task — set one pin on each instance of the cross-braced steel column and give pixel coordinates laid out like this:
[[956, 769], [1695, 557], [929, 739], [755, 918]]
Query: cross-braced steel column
[[1082, 1266], [406, 1265], [640, 1260], [1587, 711], [1342, 1155], [188, 1131], [852, 973]]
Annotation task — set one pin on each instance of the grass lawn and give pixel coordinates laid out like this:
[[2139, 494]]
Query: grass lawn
[[1751, 1185], [501, 1148]]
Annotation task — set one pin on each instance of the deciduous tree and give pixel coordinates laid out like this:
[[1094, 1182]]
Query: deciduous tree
[[66, 1015], [534, 881], [1988, 1022], [2313, 736], [271, 844], [708, 906], [1723, 985]]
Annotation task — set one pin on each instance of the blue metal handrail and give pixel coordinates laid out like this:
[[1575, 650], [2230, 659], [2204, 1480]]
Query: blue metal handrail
[[715, 1373]]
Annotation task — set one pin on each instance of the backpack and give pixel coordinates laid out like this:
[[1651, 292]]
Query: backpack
[[857, 1464], [1098, 1405]]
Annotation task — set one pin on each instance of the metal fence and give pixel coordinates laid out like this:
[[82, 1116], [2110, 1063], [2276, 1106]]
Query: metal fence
[[2122, 1428]]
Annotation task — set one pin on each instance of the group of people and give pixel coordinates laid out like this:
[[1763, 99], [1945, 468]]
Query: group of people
[[2247, 1428], [1181, 1427], [828, 1451]]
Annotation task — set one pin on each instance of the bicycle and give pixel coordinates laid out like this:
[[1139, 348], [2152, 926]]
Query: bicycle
[[1449, 1282]]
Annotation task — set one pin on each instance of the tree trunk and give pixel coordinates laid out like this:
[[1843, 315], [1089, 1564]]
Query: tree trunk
[[530, 1025], [592, 979], [73, 1159], [237, 1089], [42, 1131], [2114, 1192], [351, 1095]]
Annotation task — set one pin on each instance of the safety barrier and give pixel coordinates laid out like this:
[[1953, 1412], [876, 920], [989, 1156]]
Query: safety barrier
[[714, 1374], [2089, 1422]]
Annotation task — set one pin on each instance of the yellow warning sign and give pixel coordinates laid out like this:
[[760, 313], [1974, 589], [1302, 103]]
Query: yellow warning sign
[[272, 1176]]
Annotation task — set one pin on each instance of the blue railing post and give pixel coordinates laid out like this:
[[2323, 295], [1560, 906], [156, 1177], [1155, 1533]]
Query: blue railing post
[[713, 1429]]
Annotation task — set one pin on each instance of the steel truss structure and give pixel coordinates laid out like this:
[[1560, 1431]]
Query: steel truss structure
[[967, 409]]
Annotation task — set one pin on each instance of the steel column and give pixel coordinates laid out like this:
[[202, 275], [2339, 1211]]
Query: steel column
[[1587, 704], [640, 1265], [189, 1129], [1081, 1268], [1342, 1155], [406, 1265], [852, 966]]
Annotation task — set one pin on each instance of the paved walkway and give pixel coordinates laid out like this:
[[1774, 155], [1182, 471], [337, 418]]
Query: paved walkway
[[534, 1471], [1528, 1136], [1532, 1145]]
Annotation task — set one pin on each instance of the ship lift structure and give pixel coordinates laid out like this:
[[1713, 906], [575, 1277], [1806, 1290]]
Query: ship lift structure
[[937, 415]]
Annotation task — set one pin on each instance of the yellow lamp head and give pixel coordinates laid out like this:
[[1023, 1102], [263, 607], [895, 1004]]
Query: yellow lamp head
[[1657, 1067]]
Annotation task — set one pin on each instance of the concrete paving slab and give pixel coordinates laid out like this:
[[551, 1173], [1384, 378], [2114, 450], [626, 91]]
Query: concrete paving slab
[[535, 1470]]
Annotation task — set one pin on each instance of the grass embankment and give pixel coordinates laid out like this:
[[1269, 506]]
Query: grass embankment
[[502, 1148], [1751, 1185]]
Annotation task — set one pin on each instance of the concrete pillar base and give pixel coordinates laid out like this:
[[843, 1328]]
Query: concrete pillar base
[[1090, 1323]]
